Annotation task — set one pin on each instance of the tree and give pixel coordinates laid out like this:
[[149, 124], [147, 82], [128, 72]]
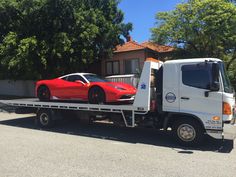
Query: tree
[[201, 28], [47, 38]]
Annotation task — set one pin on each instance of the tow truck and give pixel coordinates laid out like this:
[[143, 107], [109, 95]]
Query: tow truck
[[191, 97]]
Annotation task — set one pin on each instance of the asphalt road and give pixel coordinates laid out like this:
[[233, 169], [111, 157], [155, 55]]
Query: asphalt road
[[100, 150]]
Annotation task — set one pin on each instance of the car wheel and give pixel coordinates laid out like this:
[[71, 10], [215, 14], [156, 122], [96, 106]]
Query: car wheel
[[43, 93], [188, 132], [96, 96]]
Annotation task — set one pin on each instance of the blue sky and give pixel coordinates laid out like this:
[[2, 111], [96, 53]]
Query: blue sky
[[142, 14]]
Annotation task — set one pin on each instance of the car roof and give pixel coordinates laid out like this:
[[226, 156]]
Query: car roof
[[81, 74]]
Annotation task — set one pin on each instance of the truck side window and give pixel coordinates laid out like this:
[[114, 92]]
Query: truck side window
[[196, 76]]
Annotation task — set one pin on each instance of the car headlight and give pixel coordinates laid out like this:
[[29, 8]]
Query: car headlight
[[119, 88], [116, 87]]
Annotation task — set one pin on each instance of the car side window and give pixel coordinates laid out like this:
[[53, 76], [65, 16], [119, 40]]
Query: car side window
[[74, 78], [196, 76], [64, 78]]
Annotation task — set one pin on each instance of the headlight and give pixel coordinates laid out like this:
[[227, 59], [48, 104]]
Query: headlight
[[116, 87], [227, 109], [119, 88]]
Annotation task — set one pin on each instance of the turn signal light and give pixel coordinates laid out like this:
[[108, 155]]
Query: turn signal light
[[216, 118], [227, 109]]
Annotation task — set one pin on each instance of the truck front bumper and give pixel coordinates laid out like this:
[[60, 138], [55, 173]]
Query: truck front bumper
[[228, 131]]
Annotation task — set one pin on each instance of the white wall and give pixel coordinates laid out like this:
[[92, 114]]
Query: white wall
[[17, 88]]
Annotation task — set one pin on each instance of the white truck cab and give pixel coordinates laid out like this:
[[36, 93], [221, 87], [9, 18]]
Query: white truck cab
[[199, 90]]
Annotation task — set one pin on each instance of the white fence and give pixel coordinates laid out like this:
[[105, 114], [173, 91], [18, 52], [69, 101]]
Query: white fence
[[17, 88], [129, 79]]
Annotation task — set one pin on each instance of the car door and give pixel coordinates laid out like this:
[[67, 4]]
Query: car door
[[60, 86], [76, 89], [194, 82]]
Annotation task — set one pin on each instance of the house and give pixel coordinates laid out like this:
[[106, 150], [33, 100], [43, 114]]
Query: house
[[129, 57]]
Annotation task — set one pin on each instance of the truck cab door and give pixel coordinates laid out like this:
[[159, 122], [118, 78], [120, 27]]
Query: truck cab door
[[194, 95]]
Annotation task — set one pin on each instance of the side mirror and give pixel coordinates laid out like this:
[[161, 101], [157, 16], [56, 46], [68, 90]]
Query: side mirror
[[215, 85], [80, 82]]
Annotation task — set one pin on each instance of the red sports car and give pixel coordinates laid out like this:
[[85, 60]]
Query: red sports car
[[85, 87]]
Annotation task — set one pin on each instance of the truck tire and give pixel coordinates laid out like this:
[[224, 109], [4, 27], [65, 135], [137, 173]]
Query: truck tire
[[188, 132], [44, 118]]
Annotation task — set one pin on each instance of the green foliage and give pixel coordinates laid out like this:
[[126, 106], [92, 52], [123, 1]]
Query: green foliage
[[47, 38], [200, 28], [17, 56]]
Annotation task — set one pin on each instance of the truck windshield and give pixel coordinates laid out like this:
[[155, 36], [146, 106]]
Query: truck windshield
[[227, 85]]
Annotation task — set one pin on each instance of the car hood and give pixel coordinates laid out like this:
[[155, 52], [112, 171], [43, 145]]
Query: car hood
[[117, 84], [122, 85]]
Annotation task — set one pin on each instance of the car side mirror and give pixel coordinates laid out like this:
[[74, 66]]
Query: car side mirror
[[80, 82]]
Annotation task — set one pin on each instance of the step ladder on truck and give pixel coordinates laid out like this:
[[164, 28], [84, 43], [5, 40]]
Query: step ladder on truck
[[192, 97]]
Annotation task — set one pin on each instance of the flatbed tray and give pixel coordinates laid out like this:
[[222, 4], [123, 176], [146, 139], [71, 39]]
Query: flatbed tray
[[35, 103]]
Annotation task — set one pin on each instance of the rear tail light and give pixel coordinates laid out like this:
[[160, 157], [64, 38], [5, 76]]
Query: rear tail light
[[227, 109]]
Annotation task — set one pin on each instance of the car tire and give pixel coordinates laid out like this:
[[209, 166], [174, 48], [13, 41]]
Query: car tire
[[188, 132], [96, 95], [43, 93]]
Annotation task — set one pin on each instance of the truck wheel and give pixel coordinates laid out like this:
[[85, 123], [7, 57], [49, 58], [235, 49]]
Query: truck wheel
[[43, 93], [96, 96], [188, 132], [44, 118]]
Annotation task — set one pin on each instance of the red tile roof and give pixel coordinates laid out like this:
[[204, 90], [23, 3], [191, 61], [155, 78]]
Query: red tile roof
[[152, 59], [157, 47], [129, 46], [132, 45]]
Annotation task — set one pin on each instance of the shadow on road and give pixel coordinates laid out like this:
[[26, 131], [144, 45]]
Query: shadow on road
[[128, 135]]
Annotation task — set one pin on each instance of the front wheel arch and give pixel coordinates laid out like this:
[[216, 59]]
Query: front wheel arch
[[188, 131], [171, 117]]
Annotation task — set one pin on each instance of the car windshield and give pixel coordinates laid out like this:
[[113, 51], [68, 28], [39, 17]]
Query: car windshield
[[94, 78]]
